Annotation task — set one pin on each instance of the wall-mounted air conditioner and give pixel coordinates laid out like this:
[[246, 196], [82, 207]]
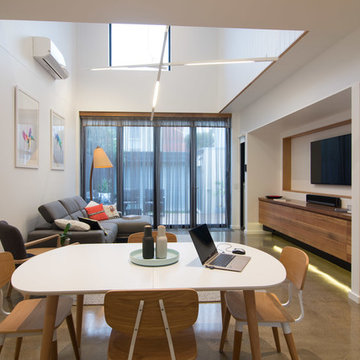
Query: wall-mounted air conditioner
[[49, 57]]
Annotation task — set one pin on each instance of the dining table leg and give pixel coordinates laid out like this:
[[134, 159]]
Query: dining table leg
[[49, 324], [249, 297], [79, 317]]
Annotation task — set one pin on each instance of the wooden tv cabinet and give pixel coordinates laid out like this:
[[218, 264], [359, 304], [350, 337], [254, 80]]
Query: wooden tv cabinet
[[319, 226]]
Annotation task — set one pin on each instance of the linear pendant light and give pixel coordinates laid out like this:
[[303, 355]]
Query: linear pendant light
[[157, 83], [190, 63]]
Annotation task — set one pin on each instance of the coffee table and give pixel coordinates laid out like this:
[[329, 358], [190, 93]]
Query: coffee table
[[98, 268]]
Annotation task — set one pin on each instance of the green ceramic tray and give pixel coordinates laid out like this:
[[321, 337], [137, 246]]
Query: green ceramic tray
[[137, 258]]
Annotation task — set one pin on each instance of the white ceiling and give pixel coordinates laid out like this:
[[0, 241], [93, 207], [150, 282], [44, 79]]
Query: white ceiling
[[326, 21]]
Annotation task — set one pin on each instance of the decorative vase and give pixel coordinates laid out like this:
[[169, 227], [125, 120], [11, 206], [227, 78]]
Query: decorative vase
[[161, 243], [148, 243], [65, 242]]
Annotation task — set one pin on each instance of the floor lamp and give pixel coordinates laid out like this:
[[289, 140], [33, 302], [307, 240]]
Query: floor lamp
[[100, 160]]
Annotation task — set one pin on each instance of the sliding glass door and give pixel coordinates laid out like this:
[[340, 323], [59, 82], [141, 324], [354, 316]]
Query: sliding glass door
[[175, 171]]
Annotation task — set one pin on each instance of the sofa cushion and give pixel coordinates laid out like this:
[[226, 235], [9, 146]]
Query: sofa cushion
[[94, 224], [129, 226], [53, 210], [75, 206], [96, 212], [74, 225], [110, 210]]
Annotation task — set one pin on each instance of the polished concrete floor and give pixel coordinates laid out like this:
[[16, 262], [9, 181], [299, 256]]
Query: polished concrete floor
[[329, 331]]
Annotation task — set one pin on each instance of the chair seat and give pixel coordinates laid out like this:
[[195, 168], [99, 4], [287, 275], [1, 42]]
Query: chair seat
[[268, 307], [153, 348], [28, 315]]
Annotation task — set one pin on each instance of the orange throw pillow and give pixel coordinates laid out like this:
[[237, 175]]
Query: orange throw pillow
[[96, 212]]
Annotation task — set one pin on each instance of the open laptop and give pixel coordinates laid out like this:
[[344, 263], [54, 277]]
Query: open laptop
[[208, 254]]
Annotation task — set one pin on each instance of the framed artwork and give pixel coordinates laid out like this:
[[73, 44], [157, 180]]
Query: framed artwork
[[26, 130], [57, 141]]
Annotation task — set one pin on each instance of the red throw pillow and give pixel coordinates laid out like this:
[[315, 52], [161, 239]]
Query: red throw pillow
[[96, 212]]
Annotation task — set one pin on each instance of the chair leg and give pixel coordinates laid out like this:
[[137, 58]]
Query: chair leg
[[226, 321], [237, 345], [53, 351], [289, 341], [18, 347], [276, 338], [2, 339], [70, 324]]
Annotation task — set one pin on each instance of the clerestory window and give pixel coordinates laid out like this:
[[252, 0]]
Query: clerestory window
[[137, 44]]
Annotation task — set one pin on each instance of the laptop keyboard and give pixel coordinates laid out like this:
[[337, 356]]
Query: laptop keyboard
[[222, 260]]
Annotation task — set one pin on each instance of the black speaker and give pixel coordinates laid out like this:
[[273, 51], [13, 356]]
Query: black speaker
[[324, 200]]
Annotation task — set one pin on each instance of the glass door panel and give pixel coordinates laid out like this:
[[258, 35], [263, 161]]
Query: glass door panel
[[138, 169], [174, 170], [211, 176]]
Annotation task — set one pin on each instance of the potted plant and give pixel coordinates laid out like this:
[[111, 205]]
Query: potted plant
[[64, 239]]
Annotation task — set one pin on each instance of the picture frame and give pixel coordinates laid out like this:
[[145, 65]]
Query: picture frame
[[57, 141], [26, 130]]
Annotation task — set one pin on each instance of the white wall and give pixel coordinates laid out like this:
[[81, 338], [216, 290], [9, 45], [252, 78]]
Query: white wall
[[183, 89], [263, 149], [23, 190]]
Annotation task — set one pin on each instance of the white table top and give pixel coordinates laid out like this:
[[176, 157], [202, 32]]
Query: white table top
[[97, 268]]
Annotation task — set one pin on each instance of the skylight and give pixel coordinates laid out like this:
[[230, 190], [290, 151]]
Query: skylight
[[137, 44]]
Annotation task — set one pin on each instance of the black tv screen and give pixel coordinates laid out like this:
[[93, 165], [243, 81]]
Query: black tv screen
[[331, 161]]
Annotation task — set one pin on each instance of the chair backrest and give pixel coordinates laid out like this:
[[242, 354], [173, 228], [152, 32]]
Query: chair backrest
[[7, 267], [12, 240], [296, 263], [121, 309], [137, 237]]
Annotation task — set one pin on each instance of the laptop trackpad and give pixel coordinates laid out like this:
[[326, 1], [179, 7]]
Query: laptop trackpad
[[238, 263]]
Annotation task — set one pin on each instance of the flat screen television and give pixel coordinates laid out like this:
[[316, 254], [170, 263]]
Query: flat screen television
[[331, 161]]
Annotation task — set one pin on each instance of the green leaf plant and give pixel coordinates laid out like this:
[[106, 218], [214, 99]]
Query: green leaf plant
[[63, 236]]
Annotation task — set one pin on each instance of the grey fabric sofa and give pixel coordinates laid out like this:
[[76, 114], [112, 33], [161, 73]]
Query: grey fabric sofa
[[116, 230]]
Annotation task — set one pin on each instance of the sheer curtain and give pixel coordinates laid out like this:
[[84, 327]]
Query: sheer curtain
[[210, 176], [138, 170], [175, 176]]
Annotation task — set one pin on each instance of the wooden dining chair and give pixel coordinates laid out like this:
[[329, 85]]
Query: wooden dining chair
[[269, 310], [27, 317], [137, 237], [13, 242], [152, 324]]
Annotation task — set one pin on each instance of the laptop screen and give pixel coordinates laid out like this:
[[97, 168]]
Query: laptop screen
[[203, 242]]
